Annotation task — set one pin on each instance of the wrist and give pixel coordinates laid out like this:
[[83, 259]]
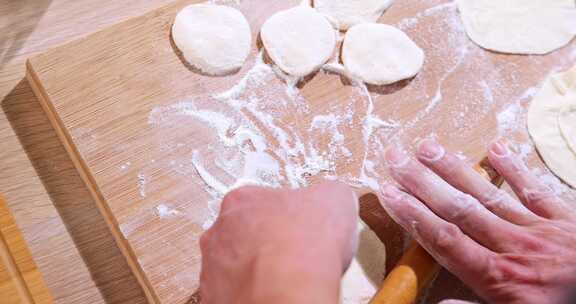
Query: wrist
[[305, 277]]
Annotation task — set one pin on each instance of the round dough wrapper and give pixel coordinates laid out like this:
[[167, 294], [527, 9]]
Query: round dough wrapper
[[380, 54], [299, 40], [519, 26], [215, 39], [547, 120], [567, 124], [566, 85], [362, 279], [346, 13]]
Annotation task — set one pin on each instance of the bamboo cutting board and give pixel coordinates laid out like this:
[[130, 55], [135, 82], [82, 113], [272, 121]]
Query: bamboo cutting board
[[20, 280], [102, 92]]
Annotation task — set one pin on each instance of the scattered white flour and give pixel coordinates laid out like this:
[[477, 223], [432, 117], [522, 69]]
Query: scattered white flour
[[487, 92], [258, 167], [456, 40], [255, 76], [142, 182], [513, 116], [215, 185], [261, 130], [125, 166], [412, 21], [265, 134], [523, 150], [509, 118], [329, 124], [461, 156], [165, 212]]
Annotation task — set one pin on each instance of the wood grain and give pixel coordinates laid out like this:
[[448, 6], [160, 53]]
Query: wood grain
[[99, 91], [66, 234], [20, 279]]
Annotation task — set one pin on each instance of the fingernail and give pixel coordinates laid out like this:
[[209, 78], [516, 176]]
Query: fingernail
[[390, 192], [499, 149], [430, 150], [395, 157]]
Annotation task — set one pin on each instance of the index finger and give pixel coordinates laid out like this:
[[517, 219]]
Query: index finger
[[449, 203], [443, 240], [462, 176], [535, 195]]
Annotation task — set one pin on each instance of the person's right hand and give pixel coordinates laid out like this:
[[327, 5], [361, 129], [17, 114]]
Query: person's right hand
[[279, 245], [506, 250]]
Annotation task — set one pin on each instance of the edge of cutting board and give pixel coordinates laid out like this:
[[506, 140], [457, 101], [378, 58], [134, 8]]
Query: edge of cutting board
[[90, 183], [18, 262]]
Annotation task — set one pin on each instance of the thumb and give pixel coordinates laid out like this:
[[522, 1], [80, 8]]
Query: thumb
[[455, 302]]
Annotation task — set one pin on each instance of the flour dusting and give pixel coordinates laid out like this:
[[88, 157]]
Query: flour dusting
[[265, 133], [265, 128], [142, 184], [165, 212]]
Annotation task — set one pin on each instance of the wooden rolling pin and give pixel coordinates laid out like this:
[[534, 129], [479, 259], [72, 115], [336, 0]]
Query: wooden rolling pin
[[417, 268]]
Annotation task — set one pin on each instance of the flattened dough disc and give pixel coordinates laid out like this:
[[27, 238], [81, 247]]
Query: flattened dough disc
[[347, 13], [567, 124], [380, 54], [519, 26], [367, 270], [215, 39], [551, 124], [299, 40]]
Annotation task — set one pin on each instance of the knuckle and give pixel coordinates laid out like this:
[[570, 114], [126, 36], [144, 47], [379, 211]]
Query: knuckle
[[524, 241], [409, 171], [236, 196], [448, 237], [533, 244], [495, 271], [538, 240], [466, 207], [540, 195], [495, 199], [508, 268], [499, 200], [450, 165]]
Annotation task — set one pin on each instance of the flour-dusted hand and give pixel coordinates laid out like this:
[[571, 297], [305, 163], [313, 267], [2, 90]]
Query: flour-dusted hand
[[279, 246], [506, 250]]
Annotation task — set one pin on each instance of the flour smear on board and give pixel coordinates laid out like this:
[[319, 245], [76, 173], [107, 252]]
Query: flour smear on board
[[252, 143], [254, 147]]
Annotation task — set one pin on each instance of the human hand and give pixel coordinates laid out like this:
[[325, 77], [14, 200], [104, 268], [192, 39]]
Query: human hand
[[506, 250], [279, 246]]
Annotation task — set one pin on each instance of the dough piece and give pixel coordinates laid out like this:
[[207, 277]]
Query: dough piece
[[346, 13], [567, 124], [380, 54], [366, 272], [552, 124], [215, 39], [299, 40], [519, 26]]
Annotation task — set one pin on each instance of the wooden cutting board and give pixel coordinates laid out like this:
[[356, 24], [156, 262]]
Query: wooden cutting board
[[20, 280], [101, 93]]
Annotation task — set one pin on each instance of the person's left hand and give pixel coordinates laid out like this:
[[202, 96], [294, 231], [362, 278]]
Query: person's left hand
[[507, 250], [279, 245]]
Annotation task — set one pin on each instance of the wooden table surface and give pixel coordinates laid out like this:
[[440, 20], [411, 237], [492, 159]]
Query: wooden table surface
[[66, 233], [57, 215]]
